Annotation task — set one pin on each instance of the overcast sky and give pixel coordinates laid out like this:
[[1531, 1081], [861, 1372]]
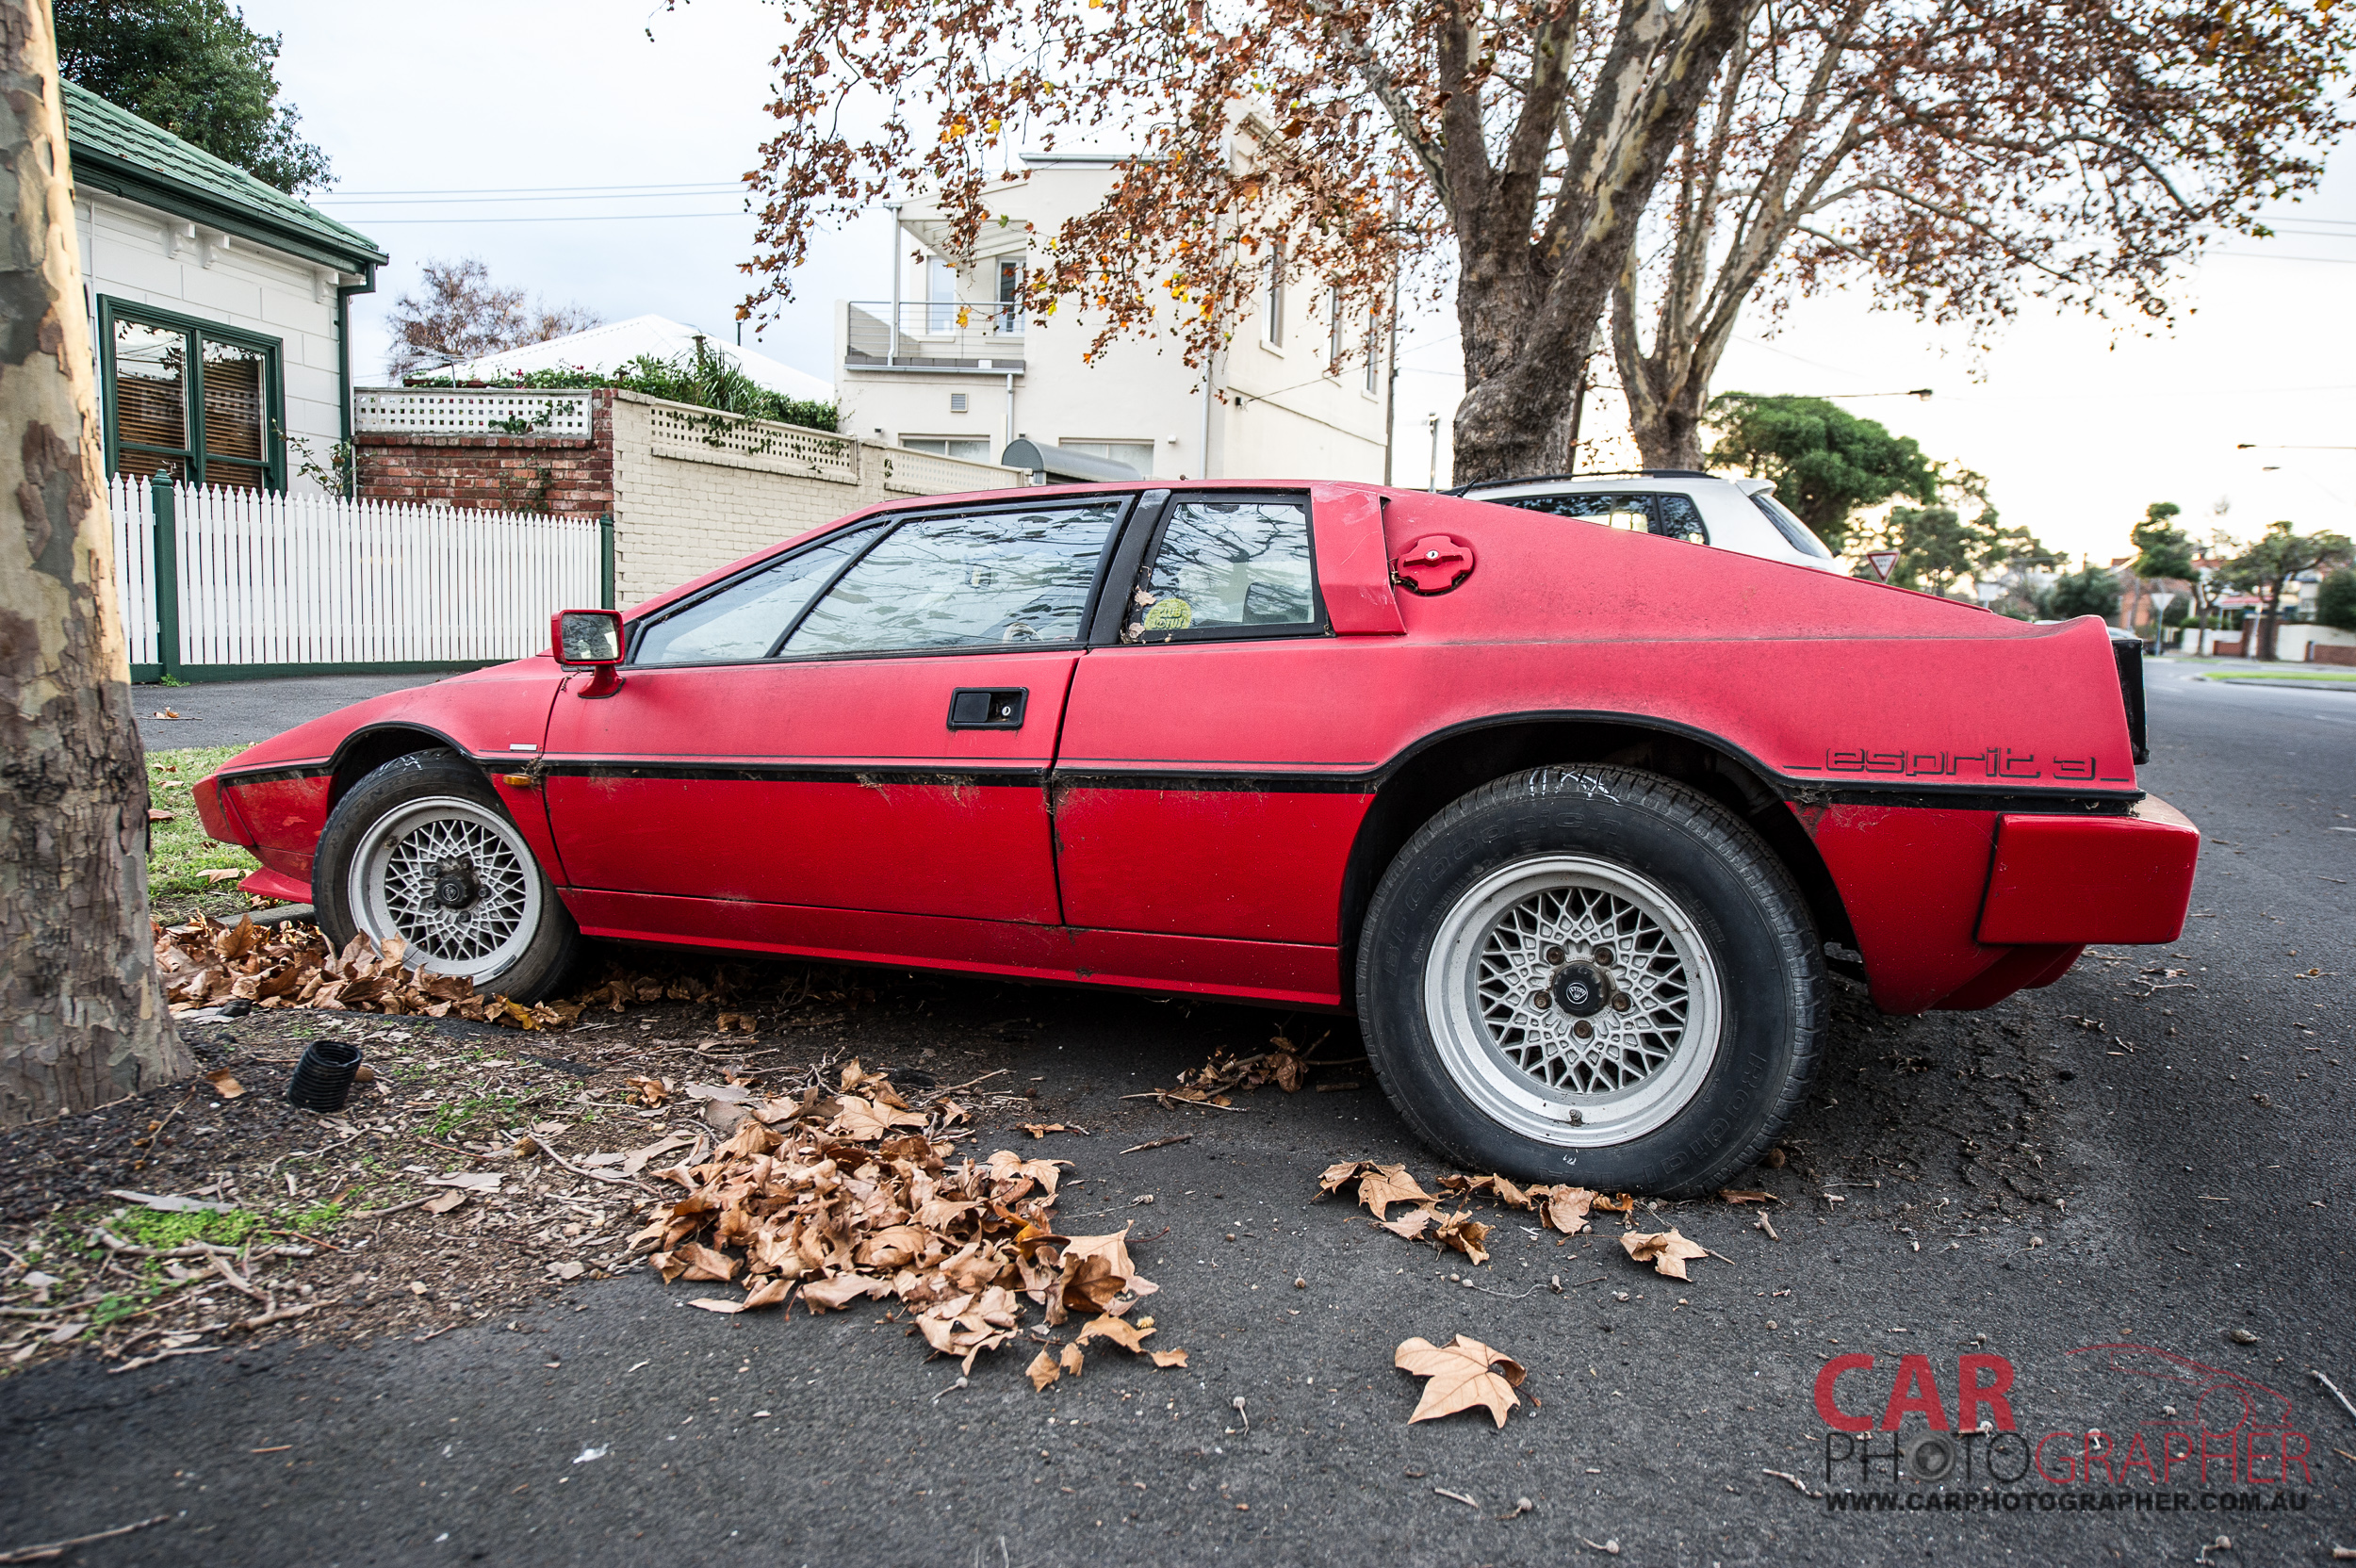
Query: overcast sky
[[472, 128]]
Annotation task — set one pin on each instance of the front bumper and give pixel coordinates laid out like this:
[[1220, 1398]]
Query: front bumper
[[2074, 880]]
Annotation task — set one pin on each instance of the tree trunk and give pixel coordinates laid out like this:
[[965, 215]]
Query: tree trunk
[[82, 1015]]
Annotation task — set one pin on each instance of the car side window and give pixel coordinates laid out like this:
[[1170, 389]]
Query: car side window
[[998, 578], [1227, 566], [1675, 516], [745, 619]]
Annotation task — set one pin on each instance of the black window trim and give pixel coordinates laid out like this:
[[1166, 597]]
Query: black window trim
[[1652, 508], [1317, 626], [112, 309], [884, 525]]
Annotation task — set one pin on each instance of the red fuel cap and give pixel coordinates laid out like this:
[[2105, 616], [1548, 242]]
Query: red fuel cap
[[1432, 565]]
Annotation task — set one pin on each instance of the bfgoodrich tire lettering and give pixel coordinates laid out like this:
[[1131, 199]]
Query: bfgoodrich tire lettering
[[1591, 974], [422, 849]]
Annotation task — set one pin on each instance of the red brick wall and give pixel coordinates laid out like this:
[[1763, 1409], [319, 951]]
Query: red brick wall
[[500, 473], [2332, 653]]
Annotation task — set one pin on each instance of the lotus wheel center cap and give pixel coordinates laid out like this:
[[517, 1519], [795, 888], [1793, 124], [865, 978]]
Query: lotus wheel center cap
[[1580, 989], [454, 887]]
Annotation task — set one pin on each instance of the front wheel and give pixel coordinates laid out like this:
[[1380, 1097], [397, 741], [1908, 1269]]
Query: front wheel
[[1593, 975], [422, 849]]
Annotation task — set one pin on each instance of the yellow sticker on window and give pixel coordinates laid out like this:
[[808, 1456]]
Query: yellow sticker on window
[[1171, 614]]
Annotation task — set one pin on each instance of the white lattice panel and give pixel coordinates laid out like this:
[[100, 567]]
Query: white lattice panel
[[908, 473], [700, 435], [469, 411]]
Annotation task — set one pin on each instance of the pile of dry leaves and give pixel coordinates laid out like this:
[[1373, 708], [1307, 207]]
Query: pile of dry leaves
[[857, 1194], [1284, 1065]]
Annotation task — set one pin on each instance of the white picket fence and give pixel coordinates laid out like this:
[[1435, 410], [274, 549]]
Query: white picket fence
[[321, 580]]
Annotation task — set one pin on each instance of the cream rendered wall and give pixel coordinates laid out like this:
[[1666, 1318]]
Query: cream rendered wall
[[126, 254], [1279, 416]]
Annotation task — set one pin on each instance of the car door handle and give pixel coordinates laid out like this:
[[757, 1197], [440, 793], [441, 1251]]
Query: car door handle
[[995, 707]]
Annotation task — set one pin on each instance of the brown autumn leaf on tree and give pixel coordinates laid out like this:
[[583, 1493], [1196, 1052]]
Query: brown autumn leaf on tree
[[1459, 1375], [1666, 1251]]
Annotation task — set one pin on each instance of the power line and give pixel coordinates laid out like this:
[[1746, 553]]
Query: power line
[[459, 200], [537, 189], [583, 218]]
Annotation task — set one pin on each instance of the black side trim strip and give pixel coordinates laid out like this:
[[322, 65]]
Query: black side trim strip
[[800, 773], [1224, 783], [278, 776]]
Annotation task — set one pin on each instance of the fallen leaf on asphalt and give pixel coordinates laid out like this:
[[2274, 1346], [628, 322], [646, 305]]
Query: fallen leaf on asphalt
[[1040, 1129], [1169, 1358], [1465, 1235], [1666, 1251], [1505, 1191], [1120, 1330], [839, 1292], [1622, 1203], [1740, 1195], [224, 1084], [649, 1092], [1461, 1375], [1565, 1210], [445, 1202], [1379, 1186], [1411, 1224], [1071, 1359], [740, 1023], [863, 1120], [1042, 1371]]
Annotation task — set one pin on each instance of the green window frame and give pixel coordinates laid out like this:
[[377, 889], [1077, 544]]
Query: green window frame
[[209, 410]]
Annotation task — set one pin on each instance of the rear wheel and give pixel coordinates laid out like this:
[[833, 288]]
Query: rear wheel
[[422, 849], [1594, 975]]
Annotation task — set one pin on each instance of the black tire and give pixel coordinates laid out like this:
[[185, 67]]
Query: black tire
[[1653, 1099], [431, 819]]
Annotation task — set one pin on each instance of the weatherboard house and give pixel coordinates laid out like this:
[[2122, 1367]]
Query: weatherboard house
[[219, 307]]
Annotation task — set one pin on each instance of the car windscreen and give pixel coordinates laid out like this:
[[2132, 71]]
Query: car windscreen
[[1797, 534]]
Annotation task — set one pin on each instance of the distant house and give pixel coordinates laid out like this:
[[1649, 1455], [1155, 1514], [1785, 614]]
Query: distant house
[[950, 364], [601, 349], [219, 308]]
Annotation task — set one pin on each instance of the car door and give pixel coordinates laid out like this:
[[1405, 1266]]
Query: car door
[[863, 725], [1191, 806]]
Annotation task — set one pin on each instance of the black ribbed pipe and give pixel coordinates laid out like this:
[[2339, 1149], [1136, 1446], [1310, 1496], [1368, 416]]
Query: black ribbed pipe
[[323, 1079]]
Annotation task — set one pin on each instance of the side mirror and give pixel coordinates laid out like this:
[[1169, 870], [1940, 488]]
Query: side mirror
[[590, 640]]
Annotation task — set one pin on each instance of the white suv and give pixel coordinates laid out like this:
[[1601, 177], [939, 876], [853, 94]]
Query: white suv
[[1740, 515]]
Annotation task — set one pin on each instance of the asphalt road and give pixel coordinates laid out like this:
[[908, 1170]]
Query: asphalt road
[[240, 712], [2129, 1157]]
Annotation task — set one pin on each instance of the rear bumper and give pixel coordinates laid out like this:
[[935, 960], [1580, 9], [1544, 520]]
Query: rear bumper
[[2073, 880]]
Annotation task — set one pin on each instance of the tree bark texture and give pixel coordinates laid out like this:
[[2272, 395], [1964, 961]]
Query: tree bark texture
[[82, 1015]]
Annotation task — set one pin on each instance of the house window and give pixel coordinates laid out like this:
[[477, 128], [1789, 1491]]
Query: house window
[[1275, 322], [1136, 454], [941, 294], [949, 445], [1010, 297], [189, 400], [1374, 327], [1334, 331]]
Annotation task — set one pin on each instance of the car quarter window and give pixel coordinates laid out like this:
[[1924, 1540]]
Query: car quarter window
[[1228, 566], [745, 619], [1675, 516], [1667, 513], [1011, 578]]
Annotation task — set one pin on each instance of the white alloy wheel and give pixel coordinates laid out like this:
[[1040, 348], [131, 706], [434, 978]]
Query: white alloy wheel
[[453, 879], [1573, 1000]]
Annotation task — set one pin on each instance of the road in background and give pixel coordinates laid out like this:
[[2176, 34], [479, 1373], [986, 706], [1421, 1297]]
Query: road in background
[[2152, 1152], [240, 712]]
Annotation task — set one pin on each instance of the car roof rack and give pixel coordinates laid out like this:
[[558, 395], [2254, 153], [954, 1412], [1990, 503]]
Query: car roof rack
[[1600, 473]]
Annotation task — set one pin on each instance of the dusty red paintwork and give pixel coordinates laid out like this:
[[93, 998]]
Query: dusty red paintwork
[[1181, 817]]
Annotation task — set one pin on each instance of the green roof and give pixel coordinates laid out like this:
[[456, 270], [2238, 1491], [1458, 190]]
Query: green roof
[[114, 150]]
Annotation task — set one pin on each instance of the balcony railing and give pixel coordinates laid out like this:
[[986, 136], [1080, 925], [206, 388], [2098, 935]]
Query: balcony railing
[[934, 335]]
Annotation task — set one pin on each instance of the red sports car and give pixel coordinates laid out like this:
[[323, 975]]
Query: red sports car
[[1577, 821]]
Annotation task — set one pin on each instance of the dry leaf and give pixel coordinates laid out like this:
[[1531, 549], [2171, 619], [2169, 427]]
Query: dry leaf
[[1410, 1224], [1040, 1129], [1462, 1374], [649, 1092], [1565, 1210], [1169, 1358], [1666, 1251], [1379, 1186], [1042, 1371], [841, 1291], [1466, 1234], [740, 1023], [219, 875], [445, 1202], [1119, 1329], [224, 1084], [1739, 1195], [471, 1181], [1071, 1359]]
